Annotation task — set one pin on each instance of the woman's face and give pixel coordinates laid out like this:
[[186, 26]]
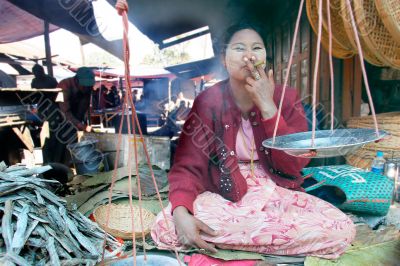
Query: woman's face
[[244, 44]]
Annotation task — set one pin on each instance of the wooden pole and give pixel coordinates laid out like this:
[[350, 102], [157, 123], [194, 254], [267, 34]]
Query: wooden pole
[[83, 58], [48, 48]]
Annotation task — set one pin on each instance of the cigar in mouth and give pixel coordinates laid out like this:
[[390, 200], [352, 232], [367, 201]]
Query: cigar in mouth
[[259, 63]]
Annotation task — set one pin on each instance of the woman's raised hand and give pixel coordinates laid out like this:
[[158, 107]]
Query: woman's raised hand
[[260, 87]]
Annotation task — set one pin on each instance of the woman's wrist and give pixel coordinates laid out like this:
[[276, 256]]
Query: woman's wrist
[[180, 210], [269, 112]]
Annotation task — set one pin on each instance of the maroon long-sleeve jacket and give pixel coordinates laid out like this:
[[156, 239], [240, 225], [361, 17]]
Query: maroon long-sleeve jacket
[[206, 159], [76, 102]]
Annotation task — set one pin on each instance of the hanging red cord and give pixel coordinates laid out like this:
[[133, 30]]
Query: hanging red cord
[[353, 24], [315, 79], [296, 31], [122, 8], [328, 7]]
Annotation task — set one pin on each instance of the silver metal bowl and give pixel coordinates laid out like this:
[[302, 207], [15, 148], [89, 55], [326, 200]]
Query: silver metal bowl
[[327, 143]]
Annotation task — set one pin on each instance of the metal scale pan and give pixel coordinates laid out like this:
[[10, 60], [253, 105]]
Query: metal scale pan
[[327, 143]]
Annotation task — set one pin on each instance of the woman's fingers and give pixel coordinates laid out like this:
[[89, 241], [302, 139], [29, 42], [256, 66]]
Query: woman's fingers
[[271, 76], [250, 81], [201, 244], [206, 229], [197, 242], [253, 70], [260, 66]]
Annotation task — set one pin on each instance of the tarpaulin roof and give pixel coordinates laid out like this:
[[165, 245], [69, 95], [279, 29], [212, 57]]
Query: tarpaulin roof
[[22, 19], [138, 72], [196, 69], [76, 16], [17, 24], [160, 19]]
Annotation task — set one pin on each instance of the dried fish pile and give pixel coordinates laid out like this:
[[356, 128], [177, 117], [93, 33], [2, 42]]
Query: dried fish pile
[[37, 228]]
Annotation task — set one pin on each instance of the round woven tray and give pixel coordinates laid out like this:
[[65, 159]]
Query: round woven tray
[[389, 11], [368, 54], [338, 50], [374, 33], [337, 26], [120, 223]]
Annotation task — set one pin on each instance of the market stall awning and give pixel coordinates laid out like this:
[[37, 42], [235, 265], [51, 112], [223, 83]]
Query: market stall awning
[[76, 16], [160, 19], [17, 24], [196, 69], [21, 19], [138, 73]]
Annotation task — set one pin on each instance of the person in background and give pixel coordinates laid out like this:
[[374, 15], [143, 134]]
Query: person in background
[[99, 97], [44, 111], [112, 98], [225, 189], [76, 91], [41, 79]]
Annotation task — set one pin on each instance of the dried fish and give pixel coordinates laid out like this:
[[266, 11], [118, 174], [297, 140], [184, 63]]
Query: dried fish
[[13, 188], [11, 197], [17, 210], [51, 197], [22, 224], [54, 259], [55, 215], [13, 168], [11, 256], [42, 262], [37, 181], [36, 242], [3, 166], [28, 233], [81, 238], [61, 251], [6, 225], [37, 228], [67, 244], [39, 197], [29, 172], [73, 262]]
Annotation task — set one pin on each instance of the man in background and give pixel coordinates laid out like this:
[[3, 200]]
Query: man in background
[[42, 80], [76, 93]]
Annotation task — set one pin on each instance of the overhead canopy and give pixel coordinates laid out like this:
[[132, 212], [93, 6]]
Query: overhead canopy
[[76, 16], [196, 69], [160, 20], [17, 24], [137, 73], [22, 19]]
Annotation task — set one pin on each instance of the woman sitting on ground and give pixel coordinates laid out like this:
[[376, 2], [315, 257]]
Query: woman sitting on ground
[[226, 189]]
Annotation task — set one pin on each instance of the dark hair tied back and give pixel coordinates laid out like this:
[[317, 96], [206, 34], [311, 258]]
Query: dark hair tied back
[[226, 37]]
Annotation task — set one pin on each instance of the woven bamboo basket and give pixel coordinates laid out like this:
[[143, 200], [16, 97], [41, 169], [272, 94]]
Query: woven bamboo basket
[[374, 33], [120, 222], [368, 54], [391, 147], [338, 50], [337, 25], [389, 11]]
